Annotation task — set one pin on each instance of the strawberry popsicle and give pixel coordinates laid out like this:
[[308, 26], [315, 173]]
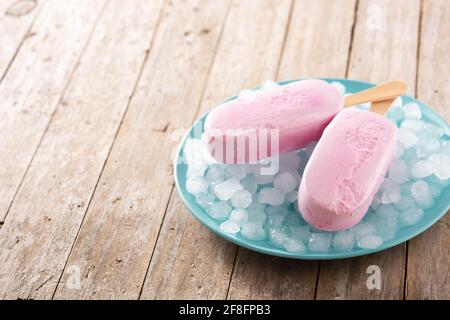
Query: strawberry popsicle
[[346, 169], [282, 119]]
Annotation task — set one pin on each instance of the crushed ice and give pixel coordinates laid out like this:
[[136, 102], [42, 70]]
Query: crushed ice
[[262, 207]]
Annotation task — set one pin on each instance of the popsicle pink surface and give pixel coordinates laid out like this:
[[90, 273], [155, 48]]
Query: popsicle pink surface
[[282, 119], [346, 169]]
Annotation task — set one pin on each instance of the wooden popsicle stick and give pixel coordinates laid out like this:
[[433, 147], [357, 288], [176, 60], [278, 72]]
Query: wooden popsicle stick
[[386, 91], [381, 107]]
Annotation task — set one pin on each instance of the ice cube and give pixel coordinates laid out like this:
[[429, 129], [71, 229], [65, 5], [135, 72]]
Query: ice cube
[[412, 111], [400, 149], [230, 227], [371, 241], [280, 210], [413, 125], [421, 169], [241, 199], [285, 181], [319, 242], [268, 85], [433, 130], [405, 203], [293, 245], [249, 183], [196, 185], [193, 151], [226, 189], [441, 165], [219, 210], [271, 196], [239, 216], [398, 102], [292, 196], [275, 219], [386, 211], [363, 229], [406, 188], [339, 86], [237, 170], [390, 191], [406, 137], [278, 234], [421, 193], [256, 212], [410, 156], [215, 173], [301, 233], [195, 170], [426, 146], [253, 230], [445, 146], [395, 113], [205, 199], [386, 226], [411, 216], [399, 171], [292, 220], [343, 240]]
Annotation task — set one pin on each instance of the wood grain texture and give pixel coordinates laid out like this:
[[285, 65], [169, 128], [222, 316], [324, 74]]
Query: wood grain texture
[[258, 276], [384, 48], [190, 261], [118, 235], [318, 41], [15, 22], [428, 269], [96, 95], [47, 212], [33, 86]]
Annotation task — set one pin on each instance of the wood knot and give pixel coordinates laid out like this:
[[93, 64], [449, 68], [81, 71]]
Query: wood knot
[[21, 7]]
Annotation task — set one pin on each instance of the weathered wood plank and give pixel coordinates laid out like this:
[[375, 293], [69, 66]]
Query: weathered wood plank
[[44, 219], [318, 41], [16, 18], [384, 48], [428, 275], [315, 34], [33, 86], [189, 261], [118, 235]]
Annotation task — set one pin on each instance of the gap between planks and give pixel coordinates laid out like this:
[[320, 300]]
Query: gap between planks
[[416, 90], [347, 68], [72, 72], [346, 53], [147, 54], [134, 64], [171, 42], [196, 114]]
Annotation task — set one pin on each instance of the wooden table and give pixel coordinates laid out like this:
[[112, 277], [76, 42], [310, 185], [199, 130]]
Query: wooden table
[[94, 97]]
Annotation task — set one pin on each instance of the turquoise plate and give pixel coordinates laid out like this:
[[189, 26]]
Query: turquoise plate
[[432, 215]]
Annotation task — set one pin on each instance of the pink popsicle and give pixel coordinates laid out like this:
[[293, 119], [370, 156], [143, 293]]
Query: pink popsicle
[[346, 169], [282, 119]]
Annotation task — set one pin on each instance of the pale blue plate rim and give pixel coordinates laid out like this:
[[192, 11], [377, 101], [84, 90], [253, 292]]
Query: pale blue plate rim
[[264, 247]]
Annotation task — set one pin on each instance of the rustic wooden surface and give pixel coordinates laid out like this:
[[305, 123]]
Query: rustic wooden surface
[[94, 96]]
